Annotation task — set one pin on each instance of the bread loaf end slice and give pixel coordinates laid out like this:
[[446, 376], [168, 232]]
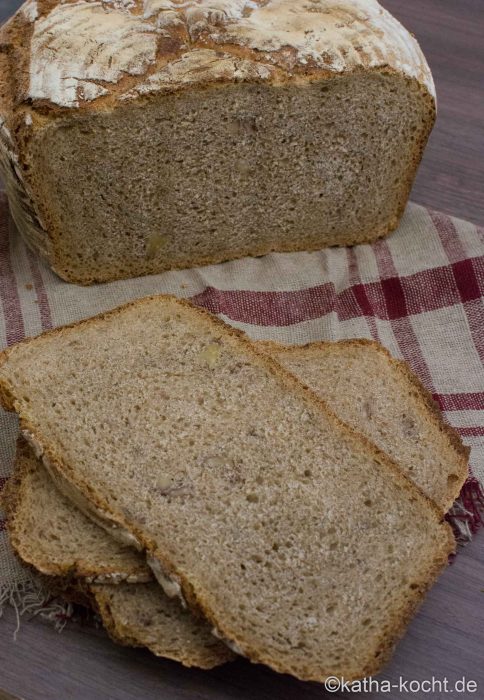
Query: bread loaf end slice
[[302, 544]]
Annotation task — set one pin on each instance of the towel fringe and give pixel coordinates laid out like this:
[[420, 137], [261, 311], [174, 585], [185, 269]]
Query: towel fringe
[[467, 514], [32, 598]]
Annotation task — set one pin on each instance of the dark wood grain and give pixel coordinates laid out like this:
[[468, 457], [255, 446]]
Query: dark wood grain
[[446, 639], [451, 33], [7, 696]]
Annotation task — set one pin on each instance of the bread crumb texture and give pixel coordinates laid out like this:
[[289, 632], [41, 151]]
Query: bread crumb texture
[[272, 515], [50, 533], [381, 398]]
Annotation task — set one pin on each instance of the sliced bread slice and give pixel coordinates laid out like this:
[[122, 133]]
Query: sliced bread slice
[[380, 397], [54, 537], [49, 533], [301, 542], [142, 615]]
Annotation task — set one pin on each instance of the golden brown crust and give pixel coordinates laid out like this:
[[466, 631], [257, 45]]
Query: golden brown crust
[[11, 495], [195, 599], [403, 617], [344, 37], [388, 640], [100, 603], [15, 35], [14, 138], [433, 407], [71, 583], [8, 402], [78, 592], [96, 598]]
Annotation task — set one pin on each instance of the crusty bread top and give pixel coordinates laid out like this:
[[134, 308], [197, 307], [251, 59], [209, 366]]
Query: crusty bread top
[[380, 397], [79, 52], [248, 493]]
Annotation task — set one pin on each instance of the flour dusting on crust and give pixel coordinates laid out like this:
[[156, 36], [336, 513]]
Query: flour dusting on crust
[[199, 65], [30, 10], [80, 50], [79, 45]]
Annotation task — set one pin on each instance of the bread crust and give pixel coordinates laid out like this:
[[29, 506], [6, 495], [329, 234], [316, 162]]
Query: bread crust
[[196, 599], [423, 396], [96, 598], [42, 233], [169, 45], [92, 586]]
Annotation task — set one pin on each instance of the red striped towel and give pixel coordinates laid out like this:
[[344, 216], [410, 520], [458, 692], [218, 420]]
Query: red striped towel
[[419, 292]]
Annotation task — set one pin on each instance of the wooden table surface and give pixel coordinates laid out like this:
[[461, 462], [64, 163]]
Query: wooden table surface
[[446, 639]]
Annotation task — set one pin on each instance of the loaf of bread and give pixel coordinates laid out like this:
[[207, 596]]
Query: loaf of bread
[[154, 134], [302, 544]]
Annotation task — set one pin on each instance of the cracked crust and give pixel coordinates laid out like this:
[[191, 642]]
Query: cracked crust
[[81, 52], [196, 599]]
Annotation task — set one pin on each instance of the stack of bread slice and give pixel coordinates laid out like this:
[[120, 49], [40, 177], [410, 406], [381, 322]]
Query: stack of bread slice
[[211, 496]]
